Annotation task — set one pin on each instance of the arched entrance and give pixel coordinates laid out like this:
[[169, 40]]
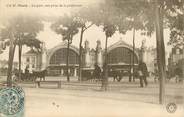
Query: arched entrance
[[121, 57], [57, 61]]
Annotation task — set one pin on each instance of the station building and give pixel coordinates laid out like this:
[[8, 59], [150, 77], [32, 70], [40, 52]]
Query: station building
[[120, 56]]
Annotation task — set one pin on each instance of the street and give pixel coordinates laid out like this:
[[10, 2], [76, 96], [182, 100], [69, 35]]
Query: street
[[85, 99]]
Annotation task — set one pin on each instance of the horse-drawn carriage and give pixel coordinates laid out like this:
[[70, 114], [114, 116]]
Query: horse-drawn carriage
[[92, 74], [96, 75], [87, 74], [30, 76]]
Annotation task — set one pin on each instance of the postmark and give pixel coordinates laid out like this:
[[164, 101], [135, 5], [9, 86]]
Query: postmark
[[11, 100], [171, 107]]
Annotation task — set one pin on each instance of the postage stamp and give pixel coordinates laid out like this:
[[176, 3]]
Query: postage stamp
[[11, 100]]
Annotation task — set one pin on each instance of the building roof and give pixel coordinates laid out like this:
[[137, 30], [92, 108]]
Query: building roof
[[120, 43], [63, 45], [31, 52]]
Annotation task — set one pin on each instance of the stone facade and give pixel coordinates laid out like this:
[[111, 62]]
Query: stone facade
[[32, 59], [120, 55]]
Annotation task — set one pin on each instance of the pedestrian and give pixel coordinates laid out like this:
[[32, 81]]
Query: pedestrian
[[27, 70], [131, 75], [143, 73], [115, 75], [97, 72], [120, 75], [156, 76]]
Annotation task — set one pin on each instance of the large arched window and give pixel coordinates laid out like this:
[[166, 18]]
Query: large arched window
[[59, 57], [122, 55]]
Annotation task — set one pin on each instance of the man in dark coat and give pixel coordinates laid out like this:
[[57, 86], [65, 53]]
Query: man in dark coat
[[97, 72], [143, 73], [26, 73]]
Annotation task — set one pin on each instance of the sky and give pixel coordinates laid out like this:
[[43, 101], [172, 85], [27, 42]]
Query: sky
[[55, 8]]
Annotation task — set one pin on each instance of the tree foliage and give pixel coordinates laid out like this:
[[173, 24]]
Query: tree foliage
[[67, 26], [134, 14], [173, 11], [20, 30], [24, 29], [176, 26], [30, 41], [143, 13], [83, 17]]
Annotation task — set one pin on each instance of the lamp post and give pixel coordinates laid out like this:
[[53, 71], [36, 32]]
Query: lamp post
[[130, 67]]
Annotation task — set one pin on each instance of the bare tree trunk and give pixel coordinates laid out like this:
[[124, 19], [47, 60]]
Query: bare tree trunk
[[80, 49], [80, 54], [105, 77], [133, 53], [10, 61], [20, 54], [160, 52], [67, 62]]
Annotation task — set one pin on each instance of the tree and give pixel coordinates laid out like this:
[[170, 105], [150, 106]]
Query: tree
[[163, 9], [83, 17], [109, 30], [14, 29], [27, 36], [177, 30], [25, 32], [67, 26], [111, 20], [30, 41], [160, 50], [107, 19], [133, 15]]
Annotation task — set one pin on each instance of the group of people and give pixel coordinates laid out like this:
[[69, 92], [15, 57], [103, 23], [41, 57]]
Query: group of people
[[175, 73], [142, 73], [28, 75]]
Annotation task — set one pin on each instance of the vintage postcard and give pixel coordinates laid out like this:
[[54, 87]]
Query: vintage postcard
[[91, 58]]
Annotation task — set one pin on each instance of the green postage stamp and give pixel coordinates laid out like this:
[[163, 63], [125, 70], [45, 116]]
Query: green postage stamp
[[12, 102]]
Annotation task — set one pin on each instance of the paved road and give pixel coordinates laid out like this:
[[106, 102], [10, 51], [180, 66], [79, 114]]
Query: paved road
[[76, 103], [123, 99]]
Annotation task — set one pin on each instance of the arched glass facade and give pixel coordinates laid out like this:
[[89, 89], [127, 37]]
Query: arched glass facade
[[59, 57], [57, 63], [121, 55]]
